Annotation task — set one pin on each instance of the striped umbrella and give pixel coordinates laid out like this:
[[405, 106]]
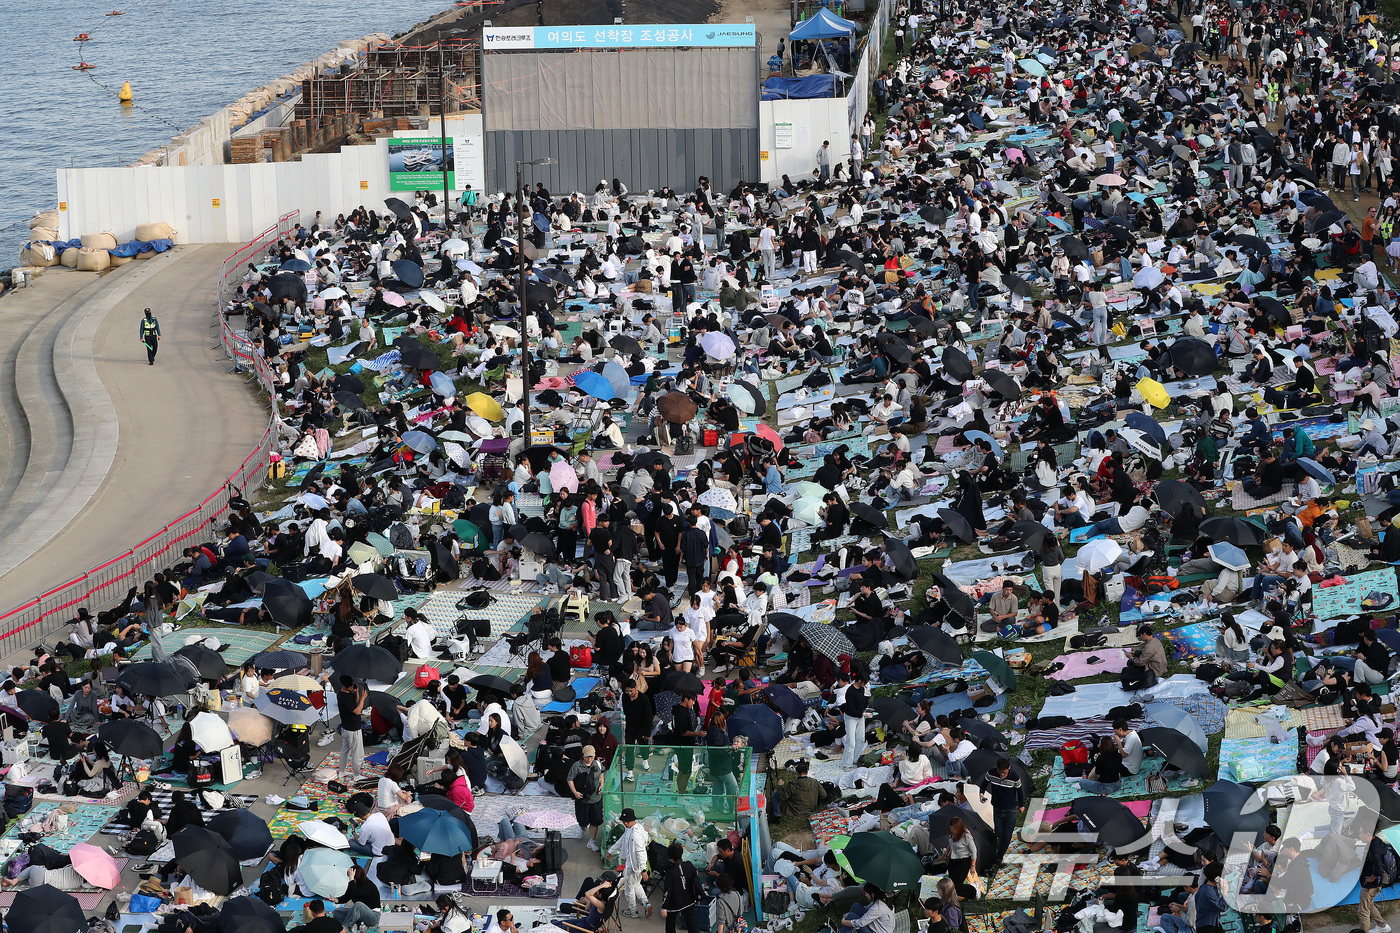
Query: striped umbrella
[[828, 640]]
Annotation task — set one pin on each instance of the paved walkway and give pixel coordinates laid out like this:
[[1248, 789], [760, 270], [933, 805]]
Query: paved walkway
[[101, 449]]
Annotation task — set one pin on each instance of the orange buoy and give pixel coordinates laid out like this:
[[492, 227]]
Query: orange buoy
[[81, 37], [117, 13], [84, 66]]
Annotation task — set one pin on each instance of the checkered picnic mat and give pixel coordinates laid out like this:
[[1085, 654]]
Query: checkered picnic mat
[[1241, 723], [164, 797], [505, 611], [238, 644]]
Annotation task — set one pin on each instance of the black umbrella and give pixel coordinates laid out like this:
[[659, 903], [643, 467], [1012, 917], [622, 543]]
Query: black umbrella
[[785, 701], [132, 738], [1233, 808], [1101, 28], [1111, 823], [447, 565], [645, 460], [893, 712], [287, 285], [850, 259], [37, 704], [1032, 534], [1387, 800], [1232, 528], [287, 603], [1193, 356], [206, 857], [936, 216], [867, 513], [958, 525], [1017, 285], [375, 586], [409, 272], [1317, 199], [367, 662], [279, 660], [247, 835], [348, 382], [350, 400], [156, 679], [540, 544], [419, 358], [491, 683], [936, 643], [1002, 384], [398, 208], [1074, 247], [265, 310], [209, 663], [249, 914], [938, 823], [956, 364], [785, 622], [901, 559], [385, 704], [894, 347], [626, 345], [1172, 494], [1179, 750], [749, 397], [1274, 308], [1326, 220], [683, 683], [987, 735], [1253, 243], [958, 602], [45, 909]]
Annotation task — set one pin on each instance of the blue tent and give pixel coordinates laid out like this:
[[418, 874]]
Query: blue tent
[[824, 25]]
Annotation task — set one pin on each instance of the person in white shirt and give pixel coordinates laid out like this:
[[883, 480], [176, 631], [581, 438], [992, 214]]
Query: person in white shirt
[[1129, 745], [958, 756], [420, 635], [682, 644], [374, 833]]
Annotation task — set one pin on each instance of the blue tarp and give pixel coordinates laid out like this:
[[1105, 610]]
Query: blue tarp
[[137, 246], [776, 88], [824, 25]]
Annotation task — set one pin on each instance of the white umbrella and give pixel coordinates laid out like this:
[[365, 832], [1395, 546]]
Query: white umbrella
[[717, 346], [514, 756], [1148, 277], [502, 330], [250, 726], [1097, 555], [313, 501], [324, 833], [808, 511], [455, 452], [478, 426], [335, 291], [466, 265], [1141, 442], [432, 300], [455, 247], [210, 732], [717, 498]]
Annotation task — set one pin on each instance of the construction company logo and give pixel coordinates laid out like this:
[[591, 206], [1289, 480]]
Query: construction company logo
[[508, 37], [1327, 818], [729, 34]]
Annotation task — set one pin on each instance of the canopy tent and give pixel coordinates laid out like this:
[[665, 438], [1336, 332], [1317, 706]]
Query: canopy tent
[[823, 25]]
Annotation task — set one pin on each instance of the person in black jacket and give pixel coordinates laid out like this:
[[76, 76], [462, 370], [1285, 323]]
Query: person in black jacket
[[680, 888], [607, 641], [638, 713], [183, 812]]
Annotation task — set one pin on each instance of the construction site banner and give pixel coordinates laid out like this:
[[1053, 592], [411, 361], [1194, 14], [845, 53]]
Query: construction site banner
[[417, 164], [701, 35]]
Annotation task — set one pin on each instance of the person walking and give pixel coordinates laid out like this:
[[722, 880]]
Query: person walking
[[634, 860], [350, 703], [149, 334]]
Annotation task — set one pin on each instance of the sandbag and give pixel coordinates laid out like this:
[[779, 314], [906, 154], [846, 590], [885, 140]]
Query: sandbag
[[69, 259], [99, 241], [48, 234], [119, 260], [37, 254], [91, 260], [155, 231], [47, 219], [147, 254]]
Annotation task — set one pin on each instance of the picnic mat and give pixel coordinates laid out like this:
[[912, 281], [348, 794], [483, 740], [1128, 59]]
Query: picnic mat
[[237, 645], [165, 799], [1079, 665], [1243, 724], [828, 824], [1196, 640], [84, 823], [1264, 760], [536, 813], [87, 900], [285, 821], [1344, 599], [1060, 790], [506, 610]]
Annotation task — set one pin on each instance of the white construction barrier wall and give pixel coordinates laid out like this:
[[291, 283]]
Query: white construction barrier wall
[[234, 203]]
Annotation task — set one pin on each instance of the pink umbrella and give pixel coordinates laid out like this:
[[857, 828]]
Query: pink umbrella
[[765, 431], [96, 865], [393, 298], [1013, 155], [562, 476]]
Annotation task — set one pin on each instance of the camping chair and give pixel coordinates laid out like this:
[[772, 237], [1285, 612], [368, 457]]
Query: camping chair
[[293, 747]]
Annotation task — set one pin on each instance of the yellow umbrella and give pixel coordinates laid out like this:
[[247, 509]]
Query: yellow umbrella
[[1154, 392], [485, 406]]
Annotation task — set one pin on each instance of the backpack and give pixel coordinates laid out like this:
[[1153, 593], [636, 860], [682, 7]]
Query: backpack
[[1390, 867], [143, 844], [272, 886], [586, 783], [1075, 755], [396, 645], [18, 800]]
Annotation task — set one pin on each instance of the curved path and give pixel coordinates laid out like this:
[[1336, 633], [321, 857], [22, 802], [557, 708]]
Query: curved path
[[100, 449]]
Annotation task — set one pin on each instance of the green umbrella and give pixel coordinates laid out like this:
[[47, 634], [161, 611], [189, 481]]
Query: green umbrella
[[381, 544], [997, 667], [467, 533], [1031, 66], [806, 510], [886, 861]]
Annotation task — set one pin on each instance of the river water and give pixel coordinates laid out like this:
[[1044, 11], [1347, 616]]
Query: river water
[[184, 61]]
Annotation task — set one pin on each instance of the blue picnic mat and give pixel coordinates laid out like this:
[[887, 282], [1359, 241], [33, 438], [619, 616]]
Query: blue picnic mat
[[1134, 786]]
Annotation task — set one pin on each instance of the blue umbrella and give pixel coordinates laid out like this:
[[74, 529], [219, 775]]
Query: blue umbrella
[[442, 384], [435, 831], [617, 377], [984, 436], [409, 272], [1059, 223], [596, 385], [786, 700], [763, 727], [1147, 425], [1229, 556], [419, 441], [295, 265], [1316, 470], [326, 871]]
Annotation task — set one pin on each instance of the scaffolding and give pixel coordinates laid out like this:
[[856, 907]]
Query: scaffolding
[[399, 81]]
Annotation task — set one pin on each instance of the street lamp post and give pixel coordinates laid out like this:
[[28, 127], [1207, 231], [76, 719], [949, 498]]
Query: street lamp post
[[525, 263]]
